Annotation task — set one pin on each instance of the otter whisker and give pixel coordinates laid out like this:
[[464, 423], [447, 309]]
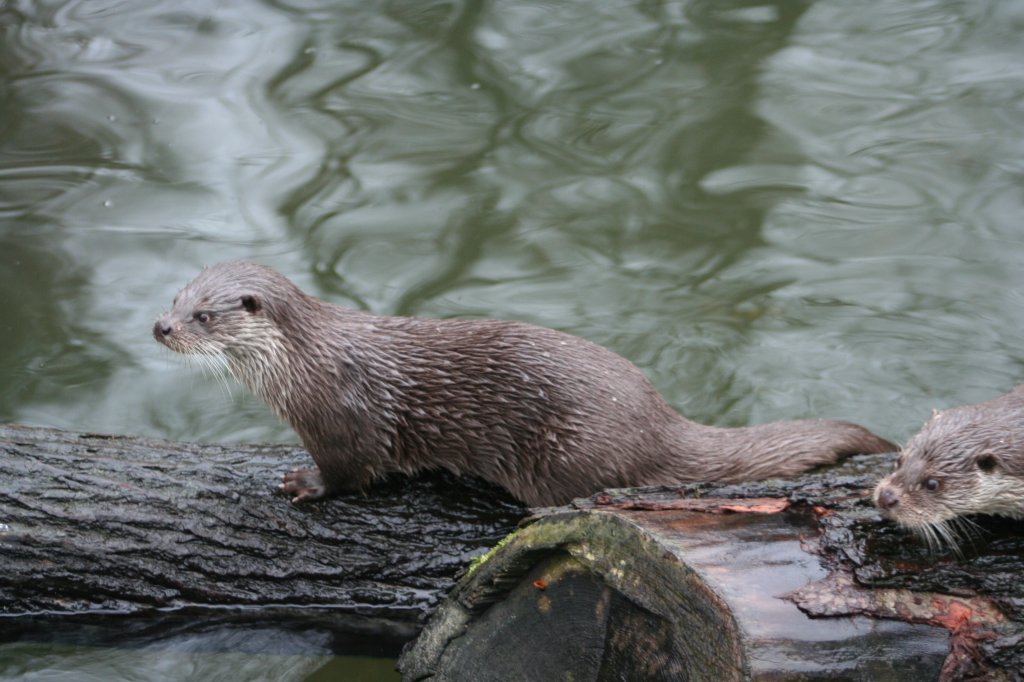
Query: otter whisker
[[218, 366], [938, 535], [970, 526], [211, 363], [930, 534], [967, 530], [947, 532], [933, 534], [202, 360]]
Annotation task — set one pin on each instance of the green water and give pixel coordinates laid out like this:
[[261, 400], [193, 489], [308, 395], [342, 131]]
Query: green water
[[775, 209], [59, 663]]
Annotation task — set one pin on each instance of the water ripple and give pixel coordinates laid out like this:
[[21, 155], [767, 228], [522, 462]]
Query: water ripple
[[776, 210]]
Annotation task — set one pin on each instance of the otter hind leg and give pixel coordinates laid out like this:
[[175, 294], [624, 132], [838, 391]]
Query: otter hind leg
[[303, 485]]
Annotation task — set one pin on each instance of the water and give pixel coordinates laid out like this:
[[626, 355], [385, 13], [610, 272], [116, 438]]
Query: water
[[776, 210], [57, 663]]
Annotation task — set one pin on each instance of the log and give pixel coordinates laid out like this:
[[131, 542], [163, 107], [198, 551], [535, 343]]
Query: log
[[94, 528], [105, 538], [779, 580]]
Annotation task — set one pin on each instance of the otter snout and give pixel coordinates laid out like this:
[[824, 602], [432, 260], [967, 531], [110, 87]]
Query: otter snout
[[163, 328], [886, 498]]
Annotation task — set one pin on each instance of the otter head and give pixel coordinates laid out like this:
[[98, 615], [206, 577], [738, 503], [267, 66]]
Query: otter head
[[233, 312], [967, 460]]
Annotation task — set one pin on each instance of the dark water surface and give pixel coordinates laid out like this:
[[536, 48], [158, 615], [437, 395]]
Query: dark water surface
[[776, 210]]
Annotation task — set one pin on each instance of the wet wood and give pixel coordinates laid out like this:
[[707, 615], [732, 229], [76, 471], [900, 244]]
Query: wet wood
[[780, 580], [769, 581], [98, 524]]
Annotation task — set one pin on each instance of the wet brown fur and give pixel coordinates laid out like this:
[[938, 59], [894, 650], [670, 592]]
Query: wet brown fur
[[547, 415], [965, 460]]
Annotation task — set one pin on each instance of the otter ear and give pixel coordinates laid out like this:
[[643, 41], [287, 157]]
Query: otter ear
[[251, 303], [987, 462]]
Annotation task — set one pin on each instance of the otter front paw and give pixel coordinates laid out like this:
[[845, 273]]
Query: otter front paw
[[303, 484]]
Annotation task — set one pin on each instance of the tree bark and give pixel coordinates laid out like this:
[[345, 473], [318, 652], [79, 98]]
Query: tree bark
[[95, 524], [766, 581], [779, 580]]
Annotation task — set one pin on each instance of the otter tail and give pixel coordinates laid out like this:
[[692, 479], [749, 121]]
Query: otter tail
[[782, 449]]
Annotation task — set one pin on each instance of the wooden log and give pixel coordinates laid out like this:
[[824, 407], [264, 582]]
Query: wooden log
[[95, 524], [778, 580]]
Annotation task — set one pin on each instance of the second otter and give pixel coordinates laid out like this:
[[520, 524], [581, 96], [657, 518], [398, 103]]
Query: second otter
[[546, 415], [965, 460]]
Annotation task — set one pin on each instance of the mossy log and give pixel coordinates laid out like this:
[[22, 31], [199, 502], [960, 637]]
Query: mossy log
[[96, 525], [780, 580]]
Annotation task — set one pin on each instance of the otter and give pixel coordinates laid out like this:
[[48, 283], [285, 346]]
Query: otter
[[546, 415], [965, 460]]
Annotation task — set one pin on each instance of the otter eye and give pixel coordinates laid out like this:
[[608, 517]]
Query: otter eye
[[987, 462], [931, 484], [201, 318]]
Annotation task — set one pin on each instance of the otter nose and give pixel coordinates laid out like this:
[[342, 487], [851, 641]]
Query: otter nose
[[163, 327], [887, 498]]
